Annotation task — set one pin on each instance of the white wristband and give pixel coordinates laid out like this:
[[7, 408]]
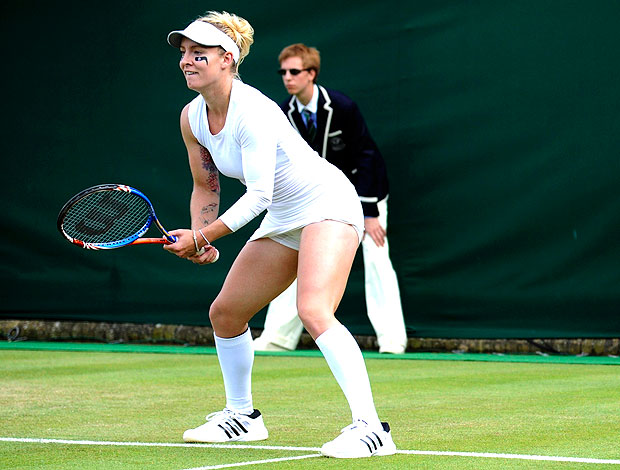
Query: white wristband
[[195, 241], [203, 236]]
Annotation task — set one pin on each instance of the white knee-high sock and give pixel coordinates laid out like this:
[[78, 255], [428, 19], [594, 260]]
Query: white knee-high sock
[[236, 356], [345, 360]]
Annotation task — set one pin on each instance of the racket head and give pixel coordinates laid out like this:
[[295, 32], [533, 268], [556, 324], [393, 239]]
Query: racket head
[[105, 216]]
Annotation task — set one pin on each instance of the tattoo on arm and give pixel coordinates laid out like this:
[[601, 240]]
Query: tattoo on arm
[[206, 211], [208, 164]]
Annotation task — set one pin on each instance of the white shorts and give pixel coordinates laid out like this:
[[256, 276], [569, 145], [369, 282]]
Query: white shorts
[[334, 198], [289, 239], [292, 239]]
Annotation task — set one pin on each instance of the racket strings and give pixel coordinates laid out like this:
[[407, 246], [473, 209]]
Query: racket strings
[[107, 216]]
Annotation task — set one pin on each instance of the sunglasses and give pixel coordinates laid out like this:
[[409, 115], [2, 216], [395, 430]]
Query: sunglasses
[[292, 71]]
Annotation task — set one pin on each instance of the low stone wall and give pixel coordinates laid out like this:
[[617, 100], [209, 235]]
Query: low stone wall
[[35, 330]]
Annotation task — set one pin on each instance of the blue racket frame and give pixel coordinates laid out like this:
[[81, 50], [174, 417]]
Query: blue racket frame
[[131, 240]]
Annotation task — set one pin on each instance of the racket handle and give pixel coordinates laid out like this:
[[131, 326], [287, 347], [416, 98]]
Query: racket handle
[[171, 238], [150, 241]]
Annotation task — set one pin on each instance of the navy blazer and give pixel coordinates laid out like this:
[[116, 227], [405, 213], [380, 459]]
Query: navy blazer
[[344, 140]]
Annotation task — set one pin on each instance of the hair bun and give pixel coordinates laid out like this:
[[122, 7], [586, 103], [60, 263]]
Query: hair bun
[[237, 28]]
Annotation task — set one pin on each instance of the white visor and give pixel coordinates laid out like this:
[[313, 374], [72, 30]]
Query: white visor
[[204, 34]]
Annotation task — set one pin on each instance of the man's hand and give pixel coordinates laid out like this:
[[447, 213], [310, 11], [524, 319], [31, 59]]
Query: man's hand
[[373, 228]]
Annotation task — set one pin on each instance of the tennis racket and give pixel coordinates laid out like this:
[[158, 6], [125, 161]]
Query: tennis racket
[[109, 216]]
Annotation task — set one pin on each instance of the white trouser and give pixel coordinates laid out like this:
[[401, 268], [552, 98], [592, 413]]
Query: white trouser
[[283, 327]]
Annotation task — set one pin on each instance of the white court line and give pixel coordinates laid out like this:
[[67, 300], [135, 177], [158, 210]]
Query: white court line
[[254, 462], [310, 449], [491, 455], [154, 444]]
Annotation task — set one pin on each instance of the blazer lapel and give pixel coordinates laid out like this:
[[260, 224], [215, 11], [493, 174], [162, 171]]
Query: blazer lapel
[[324, 119], [296, 120], [293, 115]]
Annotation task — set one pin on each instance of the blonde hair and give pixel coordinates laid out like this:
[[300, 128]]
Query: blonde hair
[[236, 28], [310, 56]]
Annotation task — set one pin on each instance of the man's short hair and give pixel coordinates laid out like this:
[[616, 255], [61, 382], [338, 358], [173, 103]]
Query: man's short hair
[[310, 56]]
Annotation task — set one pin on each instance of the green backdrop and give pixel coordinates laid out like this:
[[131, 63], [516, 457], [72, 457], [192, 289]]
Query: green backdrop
[[498, 120]]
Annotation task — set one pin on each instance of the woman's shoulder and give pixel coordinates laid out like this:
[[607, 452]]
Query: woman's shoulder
[[194, 108], [197, 102], [249, 101], [244, 92]]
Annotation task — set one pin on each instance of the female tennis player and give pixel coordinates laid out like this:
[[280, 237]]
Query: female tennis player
[[311, 231]]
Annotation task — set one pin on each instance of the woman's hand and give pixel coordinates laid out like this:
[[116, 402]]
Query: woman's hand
[[207, 255], [185, 248]]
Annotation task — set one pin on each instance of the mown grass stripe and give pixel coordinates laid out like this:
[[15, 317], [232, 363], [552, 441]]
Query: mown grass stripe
[[175, 349]]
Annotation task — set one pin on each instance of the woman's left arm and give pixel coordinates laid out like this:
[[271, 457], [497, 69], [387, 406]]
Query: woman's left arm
[[257, 141]]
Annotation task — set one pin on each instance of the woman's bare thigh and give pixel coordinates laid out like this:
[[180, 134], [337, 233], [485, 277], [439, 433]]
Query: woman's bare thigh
[[261, 271], [326, 255]]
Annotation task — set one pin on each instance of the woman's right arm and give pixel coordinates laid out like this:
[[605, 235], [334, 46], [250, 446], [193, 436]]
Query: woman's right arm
[[205, 199]]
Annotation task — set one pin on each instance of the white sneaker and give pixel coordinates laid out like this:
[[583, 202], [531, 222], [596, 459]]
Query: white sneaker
[[228, 426], [359, 440]]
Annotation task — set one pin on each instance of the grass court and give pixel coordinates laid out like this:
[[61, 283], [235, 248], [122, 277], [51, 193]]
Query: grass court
[[69, 406]]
